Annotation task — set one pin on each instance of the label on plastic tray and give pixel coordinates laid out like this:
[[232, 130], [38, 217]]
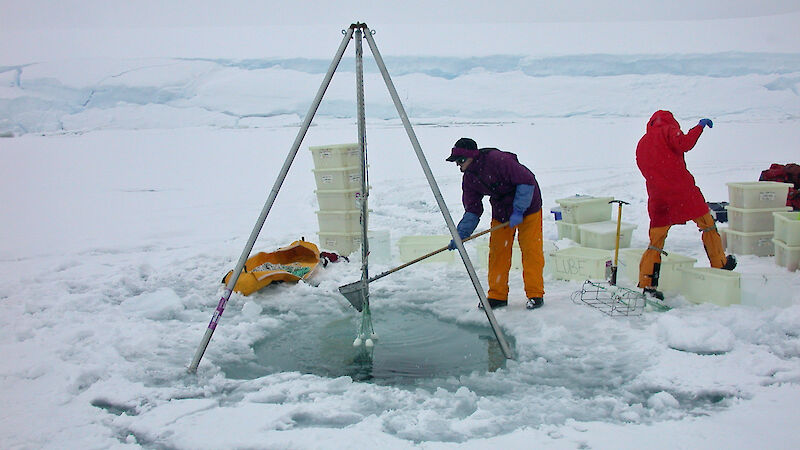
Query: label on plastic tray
[[767, 196]]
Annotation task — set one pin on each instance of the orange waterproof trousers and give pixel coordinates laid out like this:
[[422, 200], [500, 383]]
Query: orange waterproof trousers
[[652, 256], [501, 242]]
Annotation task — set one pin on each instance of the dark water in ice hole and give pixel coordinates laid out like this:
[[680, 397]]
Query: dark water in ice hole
[[413, 346]]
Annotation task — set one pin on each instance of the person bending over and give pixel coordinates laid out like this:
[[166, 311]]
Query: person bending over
[[515, 198]]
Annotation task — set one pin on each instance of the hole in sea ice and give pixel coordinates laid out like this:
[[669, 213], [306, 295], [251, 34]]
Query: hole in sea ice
[[412, 346]]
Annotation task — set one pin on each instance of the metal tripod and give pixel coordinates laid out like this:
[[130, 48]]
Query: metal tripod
[[358, 29]]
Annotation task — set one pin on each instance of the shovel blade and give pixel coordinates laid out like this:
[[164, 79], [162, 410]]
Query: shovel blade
[[354, 293]]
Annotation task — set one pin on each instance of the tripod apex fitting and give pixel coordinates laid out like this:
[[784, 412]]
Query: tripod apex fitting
[[358, 25]]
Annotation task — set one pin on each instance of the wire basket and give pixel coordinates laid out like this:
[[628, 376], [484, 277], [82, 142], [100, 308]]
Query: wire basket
[[610, 299]]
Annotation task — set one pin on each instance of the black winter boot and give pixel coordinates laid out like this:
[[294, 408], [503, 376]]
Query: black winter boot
[[534, 302], [494, 303], [730, 263], [652, 292]]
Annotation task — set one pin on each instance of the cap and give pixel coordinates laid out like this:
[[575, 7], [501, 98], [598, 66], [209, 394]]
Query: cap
[[463, 148]]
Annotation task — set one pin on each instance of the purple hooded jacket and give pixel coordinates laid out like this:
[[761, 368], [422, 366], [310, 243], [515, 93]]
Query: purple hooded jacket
[[497, 173]]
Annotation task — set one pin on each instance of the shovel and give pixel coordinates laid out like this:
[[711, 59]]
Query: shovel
[[354, 292]]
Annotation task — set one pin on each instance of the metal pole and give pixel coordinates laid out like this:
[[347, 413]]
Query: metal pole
[[362, 142], [268, 205], [437, 193]]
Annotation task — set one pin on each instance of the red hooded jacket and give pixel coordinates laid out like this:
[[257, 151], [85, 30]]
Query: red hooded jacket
[[673, 196]]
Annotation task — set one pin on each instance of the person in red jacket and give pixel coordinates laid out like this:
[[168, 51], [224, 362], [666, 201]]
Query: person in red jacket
[[673, 196]]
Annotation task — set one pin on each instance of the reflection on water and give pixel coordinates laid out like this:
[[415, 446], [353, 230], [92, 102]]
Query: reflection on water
[[413, 346]]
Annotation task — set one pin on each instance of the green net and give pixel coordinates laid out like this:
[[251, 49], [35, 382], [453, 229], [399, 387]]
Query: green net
[[365, 334], [294, 268]]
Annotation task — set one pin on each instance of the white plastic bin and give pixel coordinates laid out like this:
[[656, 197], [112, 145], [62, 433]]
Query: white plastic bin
[[569, 231], [341, 243], [787, 227], [581, 263], [339, 221], [758, 194], [754, 243], [670, 277], [412, 247], [786, 256], [380, 248], [335, 156], [339, 199], [709, 285], [585, 209], [341, 178], [753, 220], [349, 243], [604, 234]]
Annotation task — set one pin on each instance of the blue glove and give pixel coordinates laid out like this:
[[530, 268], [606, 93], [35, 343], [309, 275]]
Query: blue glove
[[515, 219], [465, 227], [706, 123]]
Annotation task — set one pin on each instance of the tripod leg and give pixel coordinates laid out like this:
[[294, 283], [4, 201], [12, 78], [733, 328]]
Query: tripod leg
[[268, 205]]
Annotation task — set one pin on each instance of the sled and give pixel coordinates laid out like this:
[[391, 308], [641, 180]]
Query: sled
[[297, 261]]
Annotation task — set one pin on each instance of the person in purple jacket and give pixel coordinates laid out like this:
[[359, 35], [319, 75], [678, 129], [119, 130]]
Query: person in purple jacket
[[515, 198]]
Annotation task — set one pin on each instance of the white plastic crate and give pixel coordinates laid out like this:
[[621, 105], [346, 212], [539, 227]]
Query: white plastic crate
[[604, 234], [709, 285], [581, 263], [767, 289], [341, 178], [412, 247], [787, 227], [339, 199], [585, 209], [349, 243], [754, 243], [758, 194], [669, 277], [341, 243], [753, 220], [569, 231], [786, 256], [339, 221], [482, 259], [380, 249], [335, 156]]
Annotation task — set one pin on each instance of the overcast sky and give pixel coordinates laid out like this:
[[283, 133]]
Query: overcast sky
[[36, 14], [47, 30]]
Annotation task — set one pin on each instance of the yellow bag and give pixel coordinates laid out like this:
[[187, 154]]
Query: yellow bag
[[297, 261]]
